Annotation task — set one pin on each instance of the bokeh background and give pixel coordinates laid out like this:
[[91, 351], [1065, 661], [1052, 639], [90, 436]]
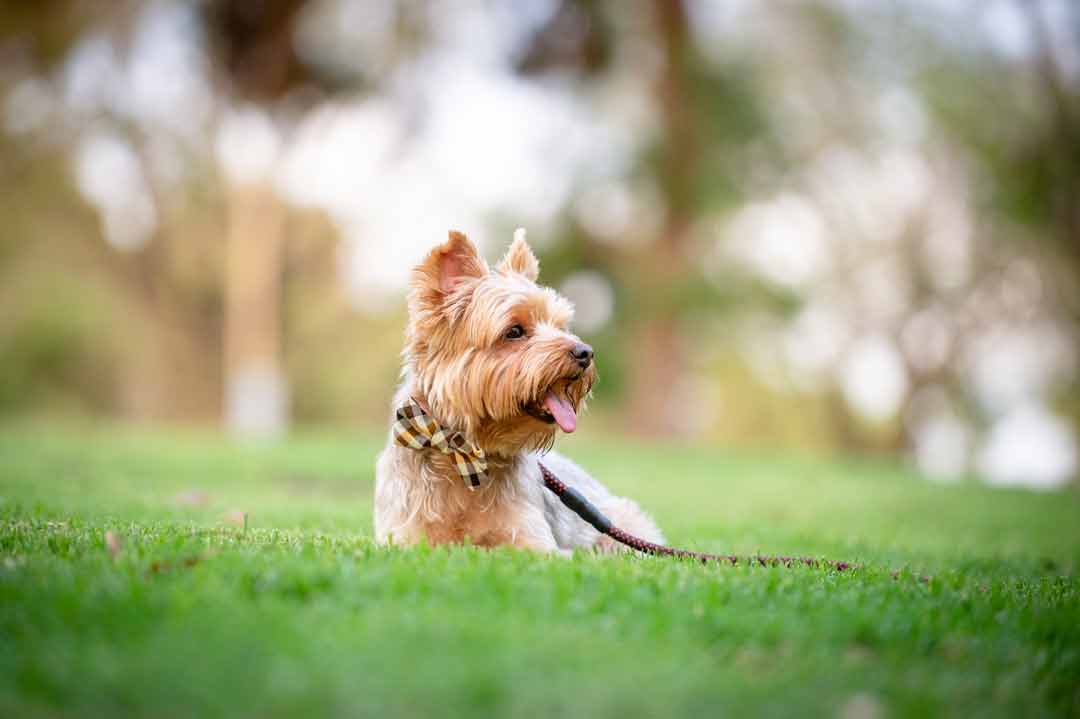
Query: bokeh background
[[839, 227]]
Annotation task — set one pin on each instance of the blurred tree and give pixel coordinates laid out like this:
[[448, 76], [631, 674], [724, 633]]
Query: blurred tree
[[728, 111], [1030, 163], [708, 117], [256, 45], [254, 41], [259, 64], [198, 315]]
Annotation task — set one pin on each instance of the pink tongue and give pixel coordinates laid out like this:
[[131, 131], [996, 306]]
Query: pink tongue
[[561, 410]]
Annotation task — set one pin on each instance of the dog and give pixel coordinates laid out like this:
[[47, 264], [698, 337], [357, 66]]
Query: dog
[[491, 374]]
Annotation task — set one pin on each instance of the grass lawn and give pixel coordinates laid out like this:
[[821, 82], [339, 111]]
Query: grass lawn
[[967, 601]]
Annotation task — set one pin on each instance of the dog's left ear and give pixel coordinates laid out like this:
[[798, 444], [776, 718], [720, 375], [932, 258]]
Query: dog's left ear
[[445, 268], [519, 258]]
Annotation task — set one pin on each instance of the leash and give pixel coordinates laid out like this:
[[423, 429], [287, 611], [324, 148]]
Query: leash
[[585, 509], [415, 428]]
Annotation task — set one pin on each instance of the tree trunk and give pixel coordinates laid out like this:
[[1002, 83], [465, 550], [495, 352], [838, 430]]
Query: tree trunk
[[657, 347], [255, 389]]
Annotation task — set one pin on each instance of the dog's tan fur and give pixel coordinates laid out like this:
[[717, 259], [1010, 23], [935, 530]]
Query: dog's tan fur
[[459, 364]]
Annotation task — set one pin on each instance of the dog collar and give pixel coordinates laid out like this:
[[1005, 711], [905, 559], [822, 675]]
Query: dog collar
[[415, 428]]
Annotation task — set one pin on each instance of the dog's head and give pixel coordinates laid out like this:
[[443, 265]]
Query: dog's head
[[491, 350]]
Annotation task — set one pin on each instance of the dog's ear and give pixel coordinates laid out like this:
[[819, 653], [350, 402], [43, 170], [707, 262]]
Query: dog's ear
[[519, 258], [445, 266]]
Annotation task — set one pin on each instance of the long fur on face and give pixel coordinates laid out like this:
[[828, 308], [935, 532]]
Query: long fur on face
[[474, 377]]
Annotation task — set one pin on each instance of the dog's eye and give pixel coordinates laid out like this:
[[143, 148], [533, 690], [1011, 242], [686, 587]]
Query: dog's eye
[[515, 333]]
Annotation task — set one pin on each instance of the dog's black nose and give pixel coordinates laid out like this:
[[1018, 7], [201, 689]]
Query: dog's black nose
[[582, 353]]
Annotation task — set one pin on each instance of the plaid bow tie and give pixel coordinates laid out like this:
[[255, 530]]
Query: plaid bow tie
[[416, 429]]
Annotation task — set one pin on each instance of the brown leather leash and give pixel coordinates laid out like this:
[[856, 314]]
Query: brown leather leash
[[585, 509]]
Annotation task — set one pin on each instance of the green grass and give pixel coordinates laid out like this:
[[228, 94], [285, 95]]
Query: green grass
[[966, 603]]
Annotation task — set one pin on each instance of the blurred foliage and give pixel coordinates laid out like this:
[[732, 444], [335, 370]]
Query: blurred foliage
[[44, 30], [142, 333], [58, 353], [1030, 164]]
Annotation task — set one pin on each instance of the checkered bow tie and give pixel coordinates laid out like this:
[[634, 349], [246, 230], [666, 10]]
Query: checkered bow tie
[[416, 429]]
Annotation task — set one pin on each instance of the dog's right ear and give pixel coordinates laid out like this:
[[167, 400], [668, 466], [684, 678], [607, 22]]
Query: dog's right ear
[[446, 266], [519, 258]]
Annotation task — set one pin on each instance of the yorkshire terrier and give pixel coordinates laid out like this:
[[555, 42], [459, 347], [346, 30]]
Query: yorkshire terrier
[[491, 371]]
